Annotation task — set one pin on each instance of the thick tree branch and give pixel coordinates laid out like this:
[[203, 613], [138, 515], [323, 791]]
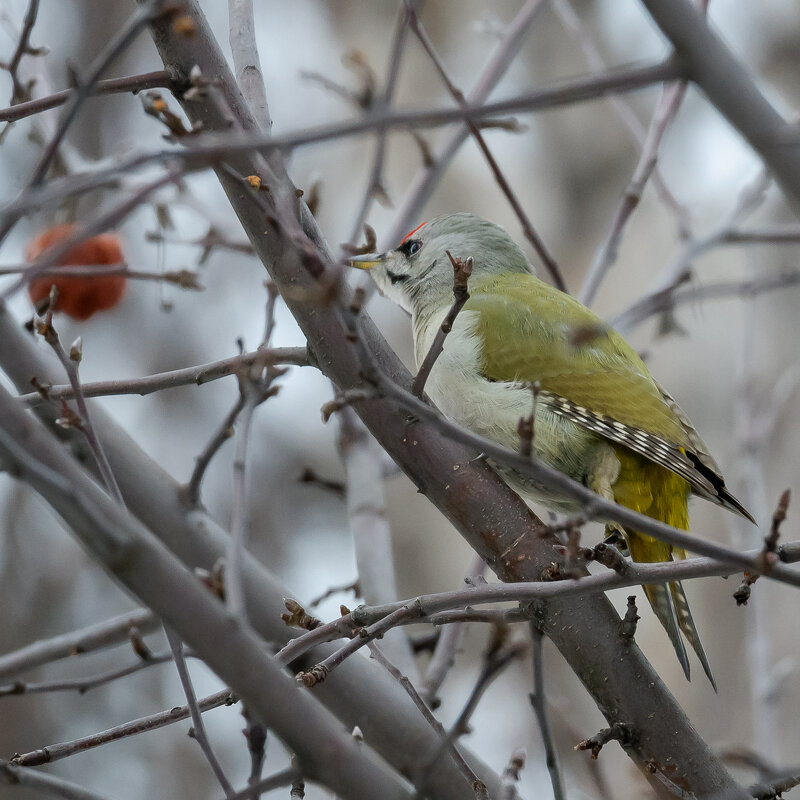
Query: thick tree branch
[[135, 558], [400, 734], [495, 522], [731, 88]]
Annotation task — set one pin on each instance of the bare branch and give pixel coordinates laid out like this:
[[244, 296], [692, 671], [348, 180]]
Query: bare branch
[[205, 149], [527, 226], [731, 88], [55, 752], [199, 375], [625, 112], [40, 782], [320, 671], [498, 656], [372, 536], [618, 732], [199, 728], [133, 83], [122, 39], [191, 491], [23, 48], [538, 700], [444, 655], [81, 421], [94, 637], [672, 296], [286, 777], [82, 685], [246, 62], [403, 680], [433, 168], [375, 188], [461, 274], [668, 105], [128, 551]]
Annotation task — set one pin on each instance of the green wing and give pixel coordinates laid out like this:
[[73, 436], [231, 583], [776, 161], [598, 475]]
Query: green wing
[[589, 374], [570, 351]]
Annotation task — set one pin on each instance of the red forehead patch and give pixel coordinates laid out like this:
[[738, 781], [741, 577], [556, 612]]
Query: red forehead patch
[[411, 233]]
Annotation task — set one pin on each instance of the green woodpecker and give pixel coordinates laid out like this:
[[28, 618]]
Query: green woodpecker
[[600, 417]]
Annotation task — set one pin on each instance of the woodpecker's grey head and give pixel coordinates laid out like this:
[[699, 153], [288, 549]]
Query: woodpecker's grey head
[[418, 273]]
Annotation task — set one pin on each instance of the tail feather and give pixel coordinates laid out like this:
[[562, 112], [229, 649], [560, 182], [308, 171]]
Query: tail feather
[[688, 627], [663, 604], [651, 489]]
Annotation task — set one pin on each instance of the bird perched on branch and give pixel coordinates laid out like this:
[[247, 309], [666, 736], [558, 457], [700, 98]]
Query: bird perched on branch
[[599, 416]]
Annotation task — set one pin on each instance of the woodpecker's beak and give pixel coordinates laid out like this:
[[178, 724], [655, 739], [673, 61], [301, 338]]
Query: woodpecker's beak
[[366, 262]]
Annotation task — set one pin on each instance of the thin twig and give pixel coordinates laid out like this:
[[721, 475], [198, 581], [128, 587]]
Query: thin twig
[[672, 296], [667, 108], [191, 492], [444, 655], [538, 700], [434, 168], [286, 777], [184, 278], [204, 150], [159, 79], [606, 254], [199, 375], [319, 672], [82, 685], [20, 92], [332, 590], [375, 181], [370, 529], [624, 111], [496, 660], [44, 784], [56, 752], [527, 226], [256, 385], [85, 640], [619, 732], [251, 397], [199, 728], [427, 607], [120, 42], [462, 269], [426, 712], [82, 421]]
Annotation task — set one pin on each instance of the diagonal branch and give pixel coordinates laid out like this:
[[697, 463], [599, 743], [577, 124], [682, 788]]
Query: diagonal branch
[[527, 226], [401, 735], [132, 555], [731, 88], [494, 521]]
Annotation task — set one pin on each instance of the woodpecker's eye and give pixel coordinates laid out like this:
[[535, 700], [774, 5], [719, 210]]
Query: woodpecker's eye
[[410, 247]]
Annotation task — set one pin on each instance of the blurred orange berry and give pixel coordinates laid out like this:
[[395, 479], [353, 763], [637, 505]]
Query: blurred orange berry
[[80, 296]]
